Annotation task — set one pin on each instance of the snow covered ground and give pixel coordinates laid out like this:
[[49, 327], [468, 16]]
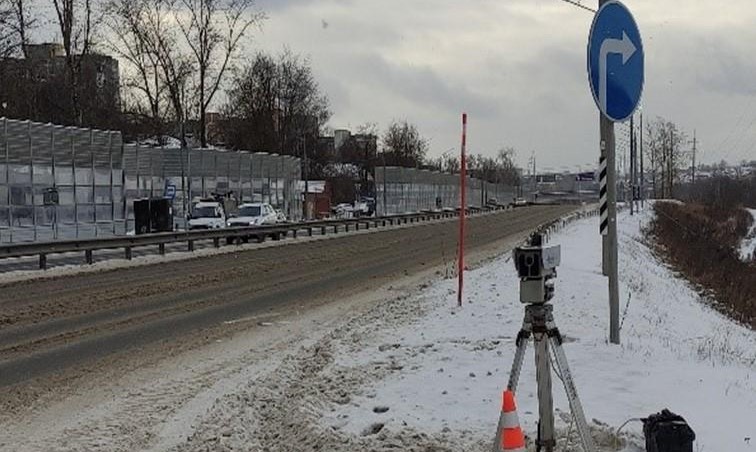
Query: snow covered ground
[[748, 245], [447, 367], [403, 369]]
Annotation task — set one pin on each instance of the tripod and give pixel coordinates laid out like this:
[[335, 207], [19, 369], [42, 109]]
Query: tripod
[[539, 323]]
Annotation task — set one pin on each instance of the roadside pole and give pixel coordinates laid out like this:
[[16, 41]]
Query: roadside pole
[[642, 174], [462, 211], [610, 239], [616, 72]]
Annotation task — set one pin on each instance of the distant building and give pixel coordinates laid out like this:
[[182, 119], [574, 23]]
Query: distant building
[[37, 87]]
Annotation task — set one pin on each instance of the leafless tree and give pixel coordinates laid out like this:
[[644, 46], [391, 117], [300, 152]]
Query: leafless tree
[[135, 29], [213, 30], [403, 145], [16, 22], [275, 104], [76, 20], [665, 155]]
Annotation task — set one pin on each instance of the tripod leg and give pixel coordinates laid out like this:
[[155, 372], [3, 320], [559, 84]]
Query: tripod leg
[[569, 387], [545, 400], [514, 374]]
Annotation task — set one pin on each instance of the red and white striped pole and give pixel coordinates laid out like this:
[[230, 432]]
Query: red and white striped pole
[[463, 209]]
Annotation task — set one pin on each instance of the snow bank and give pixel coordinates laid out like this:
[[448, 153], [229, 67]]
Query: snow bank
[[747, 249], [451, 364]]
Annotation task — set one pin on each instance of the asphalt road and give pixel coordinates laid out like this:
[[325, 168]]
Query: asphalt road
[[53, 324]]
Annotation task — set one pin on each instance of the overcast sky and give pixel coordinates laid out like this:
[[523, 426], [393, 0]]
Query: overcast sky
[[517, 67]]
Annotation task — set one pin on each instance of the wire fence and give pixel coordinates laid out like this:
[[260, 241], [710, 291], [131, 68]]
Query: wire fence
[[65, 182], [401, 190]]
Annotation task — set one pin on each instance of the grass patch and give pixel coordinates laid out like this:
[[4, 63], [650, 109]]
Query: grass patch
[[700, 242]]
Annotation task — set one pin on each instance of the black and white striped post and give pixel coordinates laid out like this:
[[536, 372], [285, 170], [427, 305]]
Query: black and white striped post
[[603, 199]]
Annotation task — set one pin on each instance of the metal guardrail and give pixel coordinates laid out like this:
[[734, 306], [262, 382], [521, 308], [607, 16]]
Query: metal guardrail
[[230, 235]]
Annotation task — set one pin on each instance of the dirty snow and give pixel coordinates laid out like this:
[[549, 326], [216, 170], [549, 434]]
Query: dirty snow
[[406, 370], [451, 364], [747, 249]]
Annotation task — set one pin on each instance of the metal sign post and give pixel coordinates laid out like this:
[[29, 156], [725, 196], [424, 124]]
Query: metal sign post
[[462, 210], [615, 73]]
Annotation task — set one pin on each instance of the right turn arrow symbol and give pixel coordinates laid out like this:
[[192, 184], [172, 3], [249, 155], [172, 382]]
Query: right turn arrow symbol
[[624, 47]]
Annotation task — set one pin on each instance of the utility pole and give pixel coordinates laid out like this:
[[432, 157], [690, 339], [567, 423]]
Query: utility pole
[[693, 167], [642, 174], [609, 241], [632, 165], [306, 178]]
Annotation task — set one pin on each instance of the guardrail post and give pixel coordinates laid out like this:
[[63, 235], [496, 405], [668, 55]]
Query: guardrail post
[[335, 228], [323, 230], [161, 249], [383, 223], [128, 253], [294, 233], [346, 227], [88, 256], [190, 245], [309, 231], [367, 225], [216, 242], [43, 261]]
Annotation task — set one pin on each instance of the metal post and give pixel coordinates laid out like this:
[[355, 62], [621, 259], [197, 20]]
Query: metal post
[[31, 178], [545, 399], [693, 167], [112, 194], [632, 165], [55, 182], [94, 180], [642, 174], [306, 177], [73, 168], [7, 179], [462, 211], [610, 240]]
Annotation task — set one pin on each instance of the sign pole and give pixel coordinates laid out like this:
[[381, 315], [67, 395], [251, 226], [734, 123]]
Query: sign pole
[[614, 35], [462, 211], [609, 241]]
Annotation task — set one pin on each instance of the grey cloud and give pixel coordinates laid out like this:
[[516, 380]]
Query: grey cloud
[[422, 85]]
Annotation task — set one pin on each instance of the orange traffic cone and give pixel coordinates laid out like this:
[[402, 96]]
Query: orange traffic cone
[[509, 436]]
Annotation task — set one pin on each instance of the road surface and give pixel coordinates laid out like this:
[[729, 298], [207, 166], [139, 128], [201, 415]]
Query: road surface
[[72, 336]]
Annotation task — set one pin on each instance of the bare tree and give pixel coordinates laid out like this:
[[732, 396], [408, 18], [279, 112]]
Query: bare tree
[[7, 41], [15, 24], [303, 110], [76, 21], [665, 155], [276, 104], [213, 30], [403, 145], [135, 28]]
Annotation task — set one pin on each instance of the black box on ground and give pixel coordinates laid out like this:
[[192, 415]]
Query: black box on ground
[[667, 432]]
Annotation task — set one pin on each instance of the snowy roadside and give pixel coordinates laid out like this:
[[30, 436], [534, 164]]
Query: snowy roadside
[[441, 374], [747, 251], [404, 369]]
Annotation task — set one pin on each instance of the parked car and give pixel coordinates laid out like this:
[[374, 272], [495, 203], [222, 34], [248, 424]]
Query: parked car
[[207, 215], [254, 214]]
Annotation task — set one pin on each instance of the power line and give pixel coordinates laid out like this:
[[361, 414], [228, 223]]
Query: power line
[[579, 5]]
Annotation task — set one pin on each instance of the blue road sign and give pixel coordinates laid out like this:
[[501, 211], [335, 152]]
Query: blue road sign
[[615, 61], [169, 192]]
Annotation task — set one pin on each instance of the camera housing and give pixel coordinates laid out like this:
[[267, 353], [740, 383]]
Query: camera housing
[[536, 267]]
